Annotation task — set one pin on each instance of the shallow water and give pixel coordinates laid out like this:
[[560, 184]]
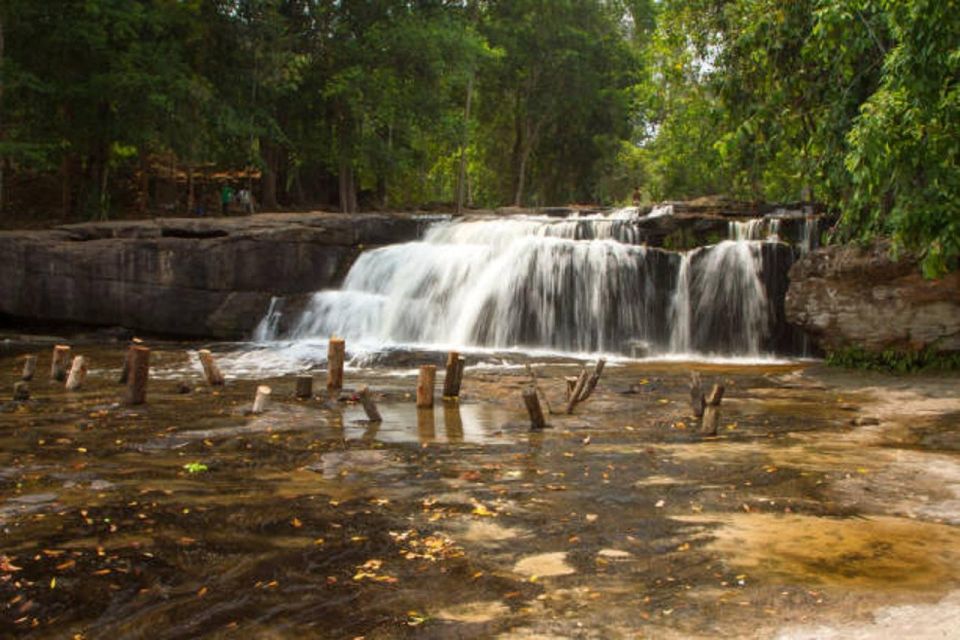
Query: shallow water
[[619, 521]]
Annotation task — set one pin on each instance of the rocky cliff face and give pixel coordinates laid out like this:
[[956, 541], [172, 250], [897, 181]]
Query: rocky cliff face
[[190, 277], [856, 297]]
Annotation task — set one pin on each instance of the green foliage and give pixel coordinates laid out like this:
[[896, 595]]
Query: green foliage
[[195, 467], [892, 361]]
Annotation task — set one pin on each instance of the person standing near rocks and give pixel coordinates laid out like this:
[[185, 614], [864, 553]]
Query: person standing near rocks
[[226, 196]]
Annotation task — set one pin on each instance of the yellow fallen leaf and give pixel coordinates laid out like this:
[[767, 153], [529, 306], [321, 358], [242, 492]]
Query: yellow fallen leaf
[[202, 592], [481, 510], [296, 523]]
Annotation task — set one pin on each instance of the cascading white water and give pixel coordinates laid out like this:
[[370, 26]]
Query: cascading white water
[[572, 285]]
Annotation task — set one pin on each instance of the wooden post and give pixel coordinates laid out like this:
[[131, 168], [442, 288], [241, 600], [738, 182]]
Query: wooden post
[[125, 371], [536, 386], [21, 391], [262, 399], [577, 390], [78, 371], [369, 406], [210, 369], [304, 387], [454, 375], [336, 353], [697, 400], [571, 385], [425, 384], [29, 368], [139, 374], [532, 401], [711, 413], [58, 369], [594, 379]]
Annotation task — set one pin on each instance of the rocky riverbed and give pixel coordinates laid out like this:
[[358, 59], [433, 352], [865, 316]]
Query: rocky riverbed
[[827, 506]]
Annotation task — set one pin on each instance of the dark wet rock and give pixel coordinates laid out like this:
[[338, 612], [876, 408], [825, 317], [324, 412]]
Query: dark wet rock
[[183, 388], [847, 296], [191, 277]]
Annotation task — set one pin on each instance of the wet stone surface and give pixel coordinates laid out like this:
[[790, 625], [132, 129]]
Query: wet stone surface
[[186, 518]]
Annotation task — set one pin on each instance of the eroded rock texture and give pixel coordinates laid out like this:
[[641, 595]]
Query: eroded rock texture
[[847, 296]]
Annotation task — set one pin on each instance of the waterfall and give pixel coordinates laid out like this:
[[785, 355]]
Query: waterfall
[[571, 285]]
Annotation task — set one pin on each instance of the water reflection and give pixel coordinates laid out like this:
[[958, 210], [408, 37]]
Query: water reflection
[[452, 421], [426, 426]]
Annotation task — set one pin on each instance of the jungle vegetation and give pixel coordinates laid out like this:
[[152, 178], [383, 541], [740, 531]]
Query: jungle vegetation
[[115, 106]]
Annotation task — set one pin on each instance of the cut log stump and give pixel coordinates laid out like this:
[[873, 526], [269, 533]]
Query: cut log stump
[[425, 386], [261, 401], [369, 406], [532, 401], [210, 369], [139, 375], [304, 387], [78, 372], [454, 375], [29, 368], [58, 368], [336, 354], [697, 401]]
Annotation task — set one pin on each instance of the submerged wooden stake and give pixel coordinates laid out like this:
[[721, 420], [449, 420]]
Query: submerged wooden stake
[[425, 385], [304, 387], [532, 401], [78, 371], [21, 391], [697, 401], [369, 406], [577, 390], [594, 379], [571, 385], [336, 352], [58, 368], [210, 369], [29, 368], [139, 374], [536, 386], [125, 371], [262, 399], [454, 375], [711, 412]]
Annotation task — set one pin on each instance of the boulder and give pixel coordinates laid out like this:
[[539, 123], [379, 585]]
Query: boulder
[[188, 277], [848, 296]]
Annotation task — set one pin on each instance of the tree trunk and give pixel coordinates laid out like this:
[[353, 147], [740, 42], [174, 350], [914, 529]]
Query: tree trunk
[[464, 143], [348, 188], [425, 386], [268, 181]]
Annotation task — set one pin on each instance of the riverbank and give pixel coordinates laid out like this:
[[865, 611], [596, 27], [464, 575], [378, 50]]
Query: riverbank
[[619, 521]]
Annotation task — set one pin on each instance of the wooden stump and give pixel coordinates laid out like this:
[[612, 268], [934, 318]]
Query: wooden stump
[[304, 387], [697, 400], [715, 396], [78, 371], [336, 353], [58, 368], [21, 391], [210, 369], [594, 379], [571, 385], [262, 399], [29, 368], [711, 412], [454, 375], [369, 406], [532, 400], [425, 385], [711, 420], [577, 390], [139, 374]]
